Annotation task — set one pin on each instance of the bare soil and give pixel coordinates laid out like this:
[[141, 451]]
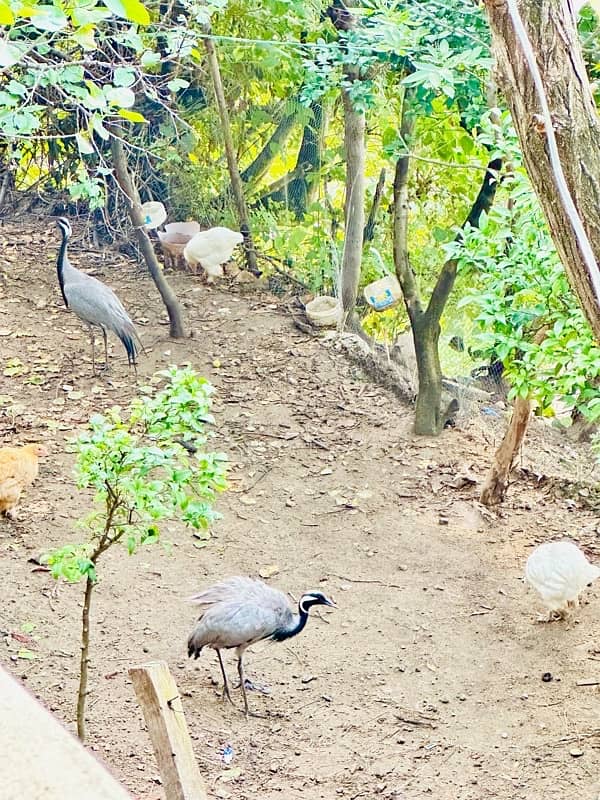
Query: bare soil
[[427, 680]]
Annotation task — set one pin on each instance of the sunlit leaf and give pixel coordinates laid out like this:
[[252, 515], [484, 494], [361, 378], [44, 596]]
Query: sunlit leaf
[[132, 116], [10, 53], [86, 37], [48, 18], [6, 15], [98, 127], [120, 96], [132, 10], [176, 84], [84, 144]]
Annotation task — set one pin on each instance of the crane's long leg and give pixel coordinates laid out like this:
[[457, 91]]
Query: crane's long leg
[[93, 349], [226, 693], [242, 682], [105, 348]]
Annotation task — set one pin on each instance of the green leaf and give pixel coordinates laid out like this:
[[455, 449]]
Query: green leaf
[[28, 627], [175, 84], [123, 76], [84, 144], [86, 37], [132, 116], [6, 15], [132, 10], [98, 127], [10, 53], [150, 59], [48, 18], [27, 655], [120, 96]]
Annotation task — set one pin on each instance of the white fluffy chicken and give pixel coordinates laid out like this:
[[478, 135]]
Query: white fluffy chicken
[[210, 249], [559, 572]]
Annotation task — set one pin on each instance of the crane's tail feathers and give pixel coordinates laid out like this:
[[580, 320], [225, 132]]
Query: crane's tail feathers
[[130, 346], [193, 650]]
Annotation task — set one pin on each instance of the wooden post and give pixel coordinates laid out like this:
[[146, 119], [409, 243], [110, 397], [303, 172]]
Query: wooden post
[[159, 699]]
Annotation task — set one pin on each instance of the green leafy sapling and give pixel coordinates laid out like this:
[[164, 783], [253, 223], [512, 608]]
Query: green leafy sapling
[[146, 464]]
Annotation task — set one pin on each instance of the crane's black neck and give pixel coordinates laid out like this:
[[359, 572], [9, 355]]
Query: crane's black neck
[[60, 264], [303, 606]]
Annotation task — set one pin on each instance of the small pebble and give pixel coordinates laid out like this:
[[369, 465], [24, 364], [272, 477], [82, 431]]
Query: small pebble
[[575, 752], [547, 677]]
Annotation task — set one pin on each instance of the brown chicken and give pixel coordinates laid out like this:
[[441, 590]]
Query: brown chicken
[[18, 469]]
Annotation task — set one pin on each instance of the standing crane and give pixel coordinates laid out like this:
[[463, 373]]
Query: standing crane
[[238, 612], [94, 303]]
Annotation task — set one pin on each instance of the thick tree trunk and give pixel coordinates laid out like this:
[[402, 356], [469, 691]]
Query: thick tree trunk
[[234, 173], [354, 212], [129, 188], [550, 25], [430, 417], [496, 482]]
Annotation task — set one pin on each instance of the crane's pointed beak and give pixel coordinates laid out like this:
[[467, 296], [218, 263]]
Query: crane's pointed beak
[[329, 602]]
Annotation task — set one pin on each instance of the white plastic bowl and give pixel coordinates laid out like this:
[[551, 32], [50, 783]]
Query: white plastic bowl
[[324, 311], [187, 229], [154, 214]]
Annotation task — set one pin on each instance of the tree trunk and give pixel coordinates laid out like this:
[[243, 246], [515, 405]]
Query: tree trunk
[[85, 659], [496, 482], [550, 25], [125, 181], [354, 211], [234, 173], [430, 417], [259, 166]]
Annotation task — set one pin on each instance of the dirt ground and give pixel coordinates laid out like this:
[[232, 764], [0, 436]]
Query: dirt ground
[[427, 679]]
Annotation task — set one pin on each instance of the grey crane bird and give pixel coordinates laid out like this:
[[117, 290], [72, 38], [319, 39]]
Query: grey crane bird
[[94, 302], [238, 612]]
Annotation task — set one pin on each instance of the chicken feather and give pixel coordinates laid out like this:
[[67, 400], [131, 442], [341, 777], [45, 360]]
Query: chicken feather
[[18, 469], [559, 572]]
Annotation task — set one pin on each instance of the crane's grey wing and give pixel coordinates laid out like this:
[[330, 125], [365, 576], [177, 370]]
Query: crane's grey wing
[[235, 624], [96, 303], [239, 589]]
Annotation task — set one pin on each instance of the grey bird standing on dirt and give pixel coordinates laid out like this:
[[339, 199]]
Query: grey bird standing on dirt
[[238, 612], [93, 302]]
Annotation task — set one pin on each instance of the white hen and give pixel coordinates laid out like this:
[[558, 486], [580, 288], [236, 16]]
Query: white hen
[[212, 248], [559, 571]]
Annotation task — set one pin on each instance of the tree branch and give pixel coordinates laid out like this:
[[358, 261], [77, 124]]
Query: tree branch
[[483, 202]]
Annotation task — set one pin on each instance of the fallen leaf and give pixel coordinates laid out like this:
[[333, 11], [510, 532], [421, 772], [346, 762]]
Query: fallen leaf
[[27, 655], [268, 571]]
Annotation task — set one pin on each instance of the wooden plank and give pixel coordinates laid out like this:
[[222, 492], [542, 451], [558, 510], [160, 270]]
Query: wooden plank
[[159, 699], [40, 759]]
